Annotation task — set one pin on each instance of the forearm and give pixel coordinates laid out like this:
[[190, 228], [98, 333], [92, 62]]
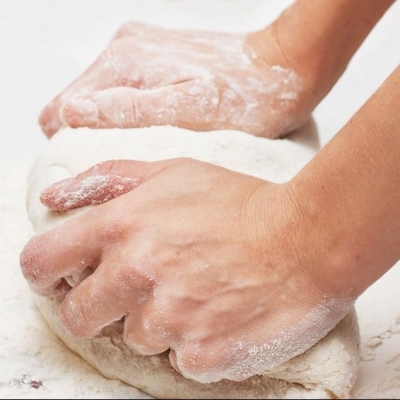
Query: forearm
[[317, 39], [349, 195]]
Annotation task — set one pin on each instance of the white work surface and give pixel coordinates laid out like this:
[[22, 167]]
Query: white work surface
[[44, 45]]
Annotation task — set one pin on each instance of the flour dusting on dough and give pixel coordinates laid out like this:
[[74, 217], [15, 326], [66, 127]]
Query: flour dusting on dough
[[329, 367]]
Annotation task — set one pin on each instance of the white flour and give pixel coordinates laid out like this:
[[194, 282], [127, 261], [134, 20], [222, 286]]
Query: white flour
[[34, 363], [329, 367]]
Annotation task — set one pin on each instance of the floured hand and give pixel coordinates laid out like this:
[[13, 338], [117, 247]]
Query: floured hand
[[150, 75], [196, 258]]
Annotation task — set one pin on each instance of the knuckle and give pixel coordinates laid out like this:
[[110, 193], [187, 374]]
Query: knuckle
[[30, 261], [169, 308], [74, 316], [135, 343], [202, 362], [144, 338], [131, 281]]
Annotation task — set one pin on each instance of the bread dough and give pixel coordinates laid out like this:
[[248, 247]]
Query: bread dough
[[327, 370]]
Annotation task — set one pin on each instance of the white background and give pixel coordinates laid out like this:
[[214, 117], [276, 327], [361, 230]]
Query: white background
[[44, 45]]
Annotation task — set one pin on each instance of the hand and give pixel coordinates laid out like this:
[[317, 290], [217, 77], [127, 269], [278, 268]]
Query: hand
[[202, 81], [196, 258]]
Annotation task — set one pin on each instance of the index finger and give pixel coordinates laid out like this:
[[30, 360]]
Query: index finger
[[103, 73], [65, 250]]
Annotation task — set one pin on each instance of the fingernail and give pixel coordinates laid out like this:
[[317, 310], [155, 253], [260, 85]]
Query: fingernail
[[50, 122], [78, 112], [57, 186]]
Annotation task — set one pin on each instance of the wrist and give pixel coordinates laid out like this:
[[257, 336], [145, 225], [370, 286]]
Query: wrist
[[322, 239], [347, 198], [287, 238], [316, 40]]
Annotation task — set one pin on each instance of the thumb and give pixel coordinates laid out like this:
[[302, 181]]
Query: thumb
[[101, 183], [184, 104]]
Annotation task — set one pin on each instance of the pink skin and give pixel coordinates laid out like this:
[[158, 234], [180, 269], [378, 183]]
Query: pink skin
[[205, 265], [223, 269], [150, 75], [90, 188]]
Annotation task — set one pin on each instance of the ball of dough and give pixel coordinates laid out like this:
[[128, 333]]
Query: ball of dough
[[327, 370]]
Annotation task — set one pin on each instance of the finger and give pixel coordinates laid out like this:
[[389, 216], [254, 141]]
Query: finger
[[144, 336], [103, 297], [203, 363], [102, 73], [62, 251], [59, 288], [49, 118], [174, 361], [101, 183], [190, 105], [78, 243]]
